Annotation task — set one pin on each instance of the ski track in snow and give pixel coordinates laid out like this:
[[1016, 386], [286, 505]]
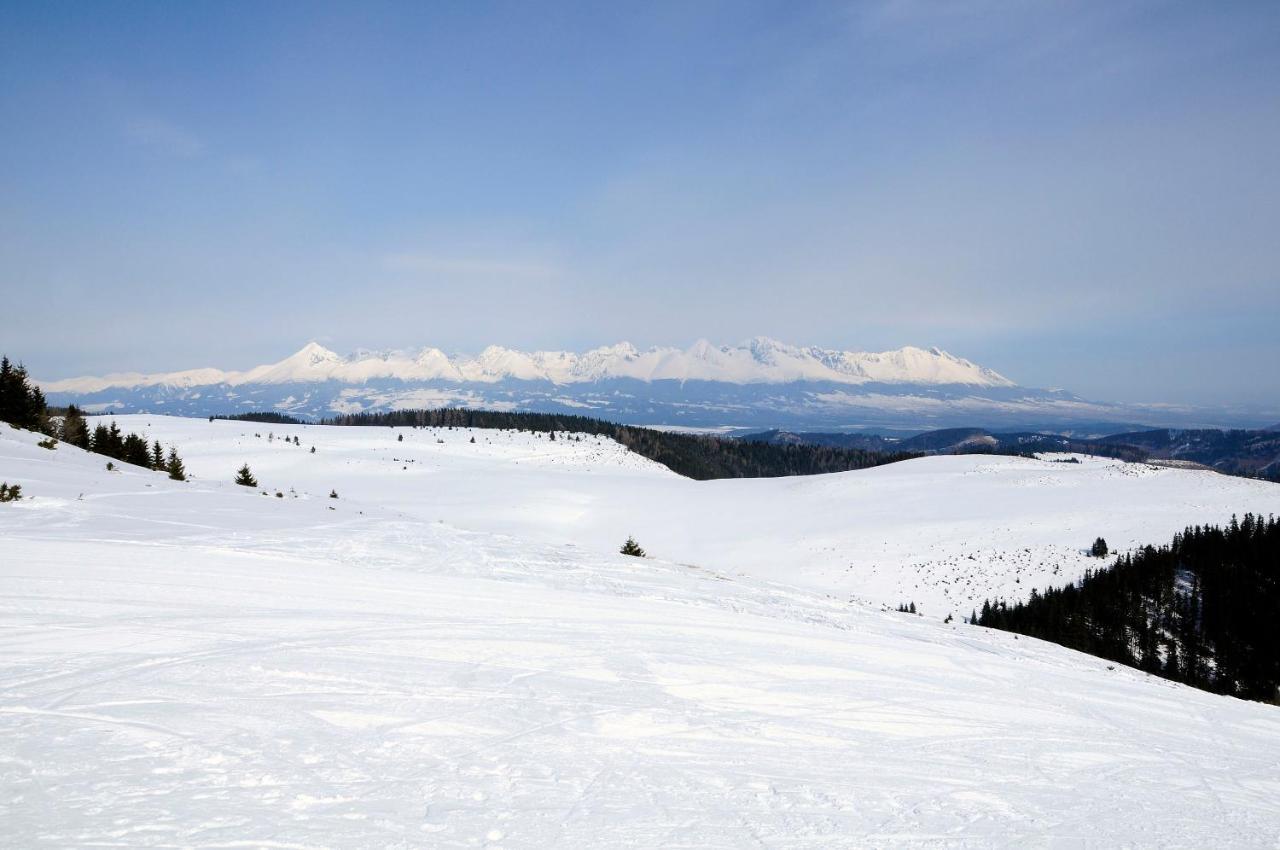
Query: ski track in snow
[[454, 657]]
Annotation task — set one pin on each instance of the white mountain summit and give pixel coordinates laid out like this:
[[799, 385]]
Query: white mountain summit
[[758, 361]]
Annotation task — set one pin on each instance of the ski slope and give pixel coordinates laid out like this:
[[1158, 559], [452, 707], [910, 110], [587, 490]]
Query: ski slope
[[435, 659], [942, 532]]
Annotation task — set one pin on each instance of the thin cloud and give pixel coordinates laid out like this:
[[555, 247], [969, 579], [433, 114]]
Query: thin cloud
[[163, 136], [471, 266]]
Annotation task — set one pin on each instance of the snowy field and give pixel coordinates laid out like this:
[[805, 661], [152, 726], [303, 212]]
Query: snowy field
[[943, 532], [451, 654]]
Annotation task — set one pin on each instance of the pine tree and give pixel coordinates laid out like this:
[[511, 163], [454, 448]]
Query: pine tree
[[632, 548], [136, 451], [333, 494], [244, 477], [1099, 548], [157, 456], [21, 402], [174, 465], [114, 443], [74, 428]]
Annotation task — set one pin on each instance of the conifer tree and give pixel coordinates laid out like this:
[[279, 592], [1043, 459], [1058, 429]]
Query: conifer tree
[[632, 548], [136, 451], [174, 465], [75, 430], [115, 443], [244, 477], [157, 456], [21, 402]]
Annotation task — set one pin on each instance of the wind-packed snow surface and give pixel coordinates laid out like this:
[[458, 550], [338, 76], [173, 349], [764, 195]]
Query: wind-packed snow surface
[[450, 654]]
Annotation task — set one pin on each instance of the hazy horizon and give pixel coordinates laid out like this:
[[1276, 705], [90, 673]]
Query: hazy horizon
[[1080, 196]]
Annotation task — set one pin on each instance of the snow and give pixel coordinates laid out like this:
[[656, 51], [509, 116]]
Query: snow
[[760, 360], [451, 655], [943, 532]]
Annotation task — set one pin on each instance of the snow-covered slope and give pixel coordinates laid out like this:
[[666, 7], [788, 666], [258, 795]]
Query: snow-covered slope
[[199, 665], [943, 532], [759, 361]]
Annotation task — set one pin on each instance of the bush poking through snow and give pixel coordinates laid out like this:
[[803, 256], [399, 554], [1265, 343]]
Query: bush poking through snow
[[48, 443], [632, 548], [10, 492], [333, 494]]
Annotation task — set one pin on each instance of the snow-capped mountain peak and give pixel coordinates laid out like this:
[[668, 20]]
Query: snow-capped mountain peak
[[760, 360]]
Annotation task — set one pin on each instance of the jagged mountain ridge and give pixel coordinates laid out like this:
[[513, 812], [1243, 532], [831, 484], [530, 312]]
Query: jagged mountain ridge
[[759, 384], [760, 360]]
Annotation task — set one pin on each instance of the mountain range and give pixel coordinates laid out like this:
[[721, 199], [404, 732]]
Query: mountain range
[[760, 383]]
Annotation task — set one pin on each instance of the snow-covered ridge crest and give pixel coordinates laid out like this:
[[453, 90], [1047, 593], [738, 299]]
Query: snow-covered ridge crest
[[758, 361]]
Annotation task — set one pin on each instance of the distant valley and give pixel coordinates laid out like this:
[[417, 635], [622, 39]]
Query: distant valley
[[1252, 453]]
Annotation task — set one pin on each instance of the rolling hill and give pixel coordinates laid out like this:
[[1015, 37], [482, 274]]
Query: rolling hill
[[451, 653]]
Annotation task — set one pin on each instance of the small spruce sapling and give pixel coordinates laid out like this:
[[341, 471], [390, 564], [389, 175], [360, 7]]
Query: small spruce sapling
[[632, 548], [244, 477], [174, 466]]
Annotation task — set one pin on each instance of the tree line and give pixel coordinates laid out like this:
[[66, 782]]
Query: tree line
[[266, 416], [22, 405], [1203, 610], [696, 456]]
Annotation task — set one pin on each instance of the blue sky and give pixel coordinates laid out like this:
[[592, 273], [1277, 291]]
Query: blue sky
[[1083, 195]]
